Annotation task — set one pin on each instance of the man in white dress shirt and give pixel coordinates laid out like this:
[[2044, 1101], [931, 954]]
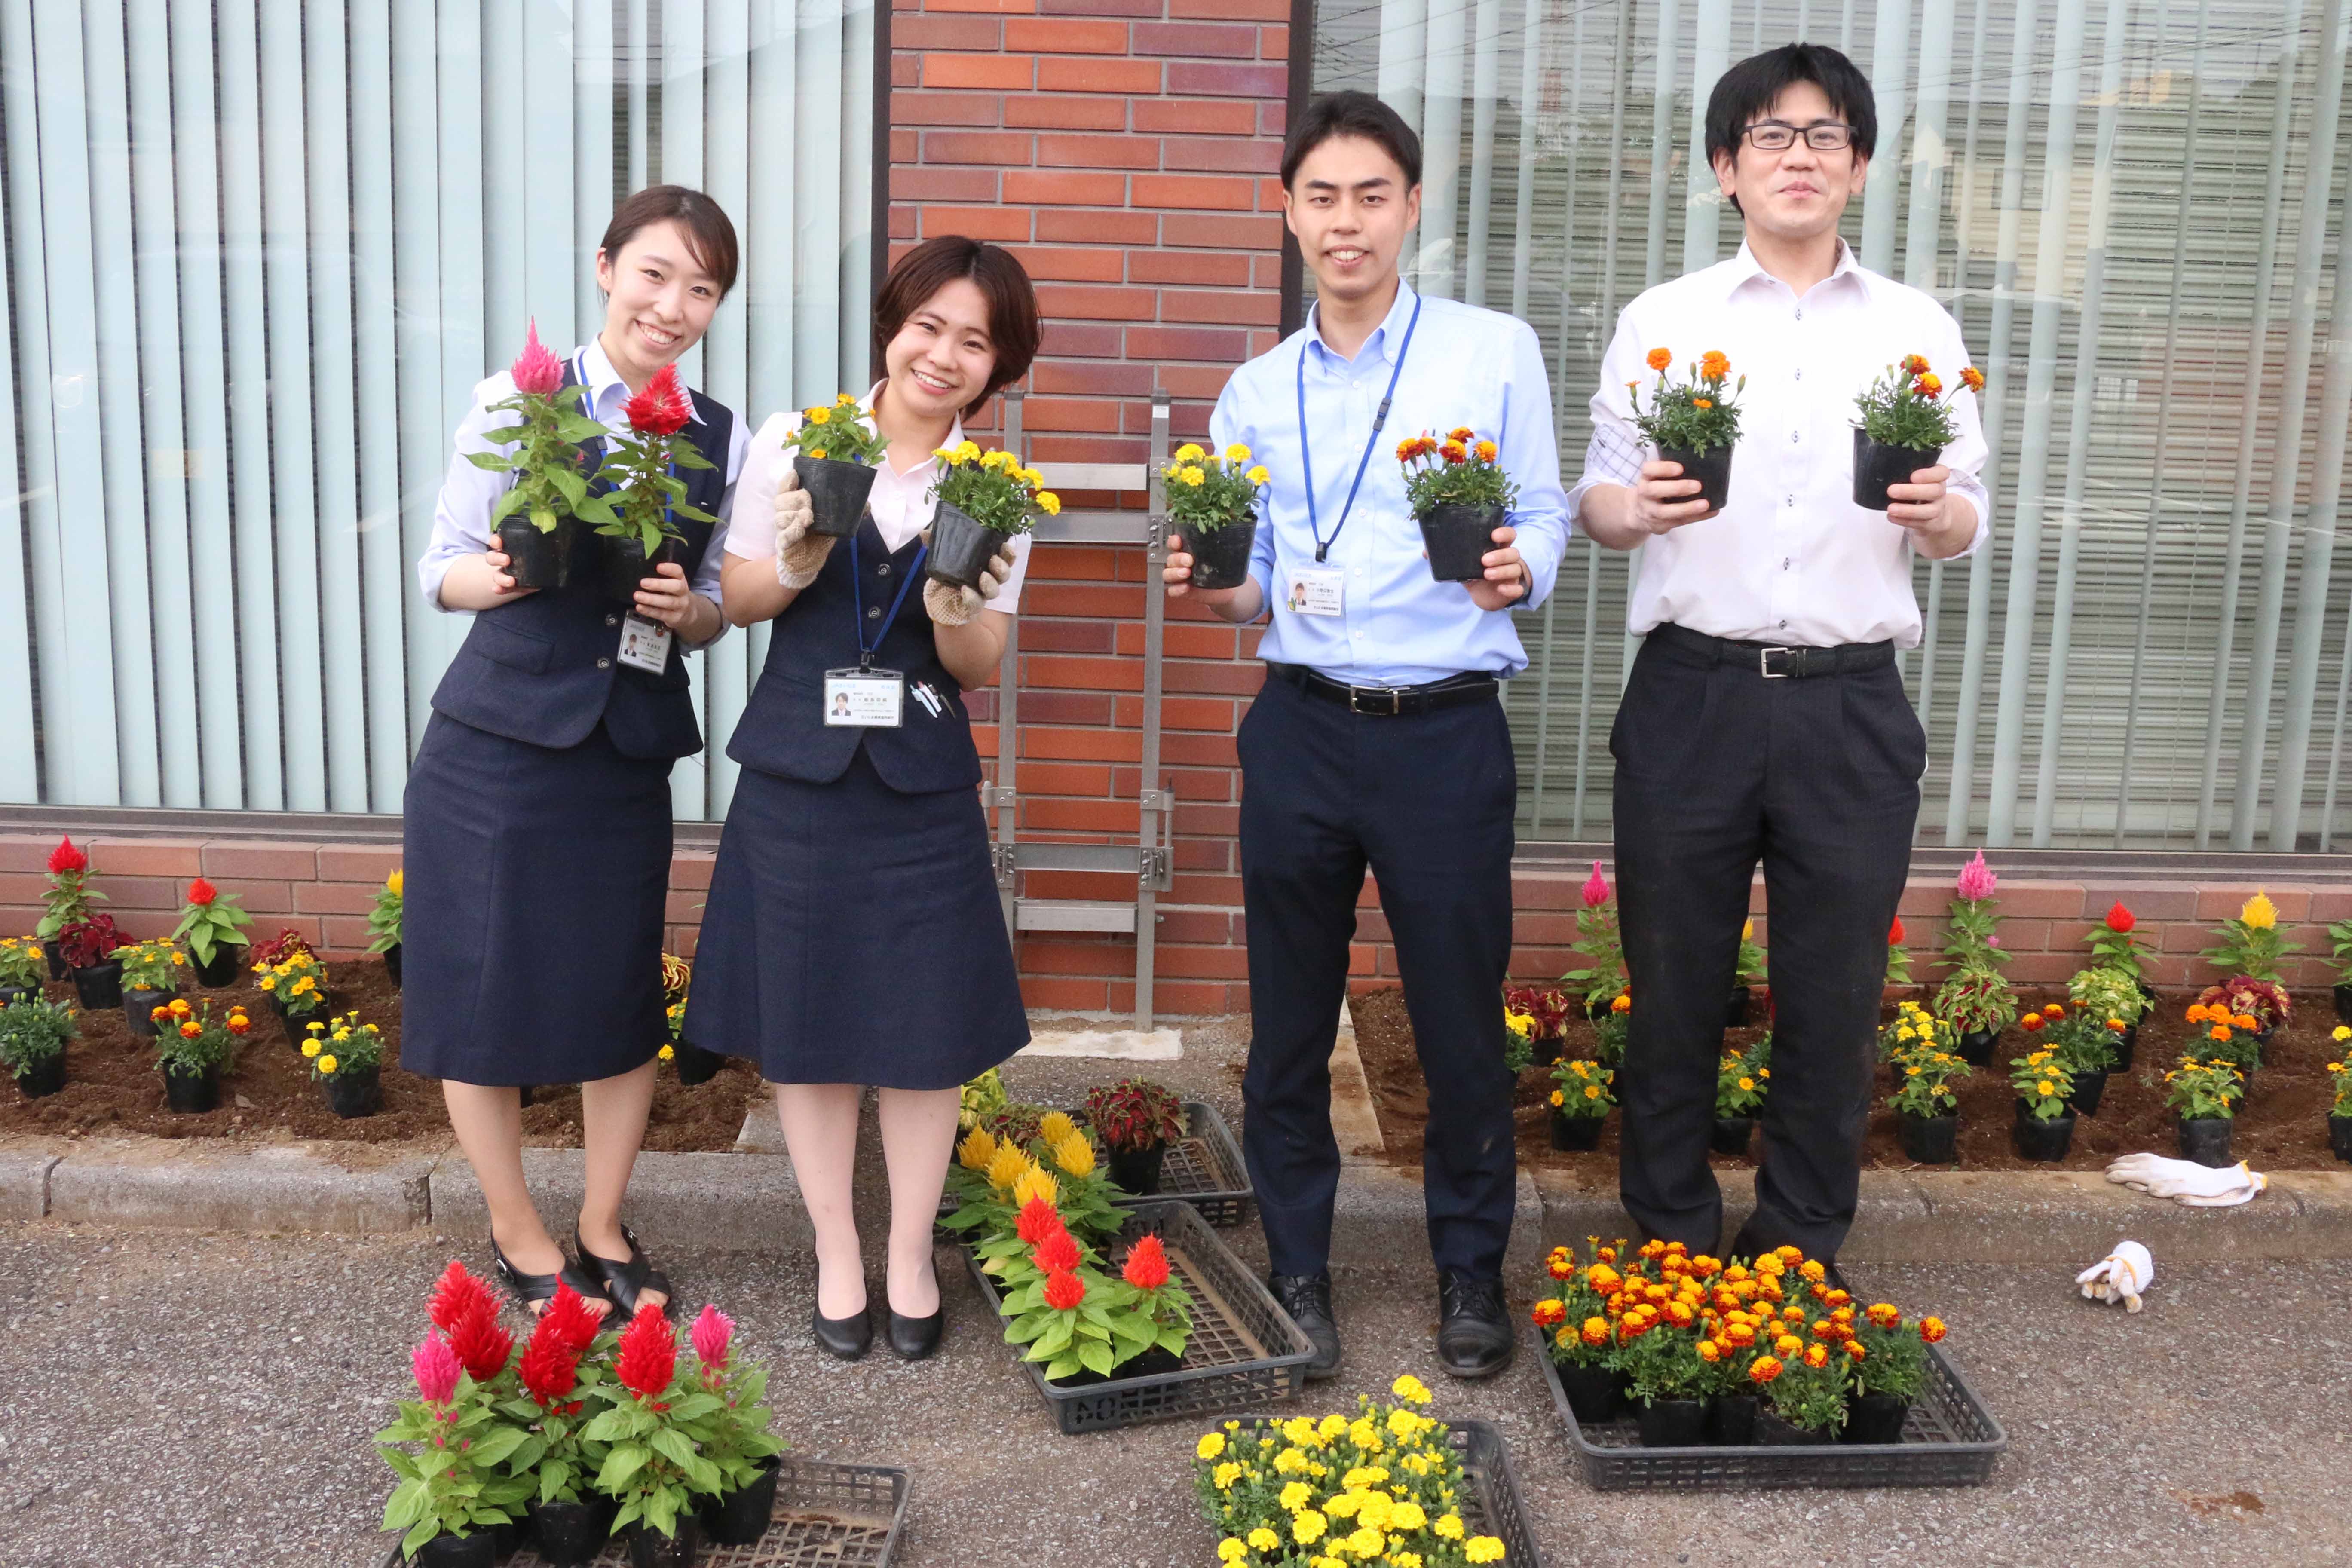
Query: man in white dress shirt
[[1765, 719]]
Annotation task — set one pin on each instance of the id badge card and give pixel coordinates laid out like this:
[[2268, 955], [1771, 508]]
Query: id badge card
[[644, 644], [1316, 590], [865, 699]]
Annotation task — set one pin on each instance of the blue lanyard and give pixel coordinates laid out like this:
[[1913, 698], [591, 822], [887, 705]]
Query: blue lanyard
[[1306, 456], [865, 652]]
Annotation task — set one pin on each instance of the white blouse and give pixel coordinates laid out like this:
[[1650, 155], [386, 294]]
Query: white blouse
[[901, 500]]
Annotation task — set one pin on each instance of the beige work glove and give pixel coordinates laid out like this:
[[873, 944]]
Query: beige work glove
[[950, 605], [800, 554]]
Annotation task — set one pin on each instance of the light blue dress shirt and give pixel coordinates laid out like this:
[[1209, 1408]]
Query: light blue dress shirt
[[1399, 626]]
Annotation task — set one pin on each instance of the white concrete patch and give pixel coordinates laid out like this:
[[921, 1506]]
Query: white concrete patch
[[762, 1133], [1113, 1045], [1353, 1121]]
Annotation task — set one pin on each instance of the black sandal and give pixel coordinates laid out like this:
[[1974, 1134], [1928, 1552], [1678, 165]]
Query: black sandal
[[533, 1292], [625, 1280]]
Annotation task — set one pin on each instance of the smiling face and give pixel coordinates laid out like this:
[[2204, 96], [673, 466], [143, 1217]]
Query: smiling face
[[1350, 208], [1799, 194], [659, 300], [941, 356]]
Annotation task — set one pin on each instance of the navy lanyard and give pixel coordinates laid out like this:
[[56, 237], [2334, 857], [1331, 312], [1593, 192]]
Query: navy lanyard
[[1306, 458], [596, 447], [857, 600]]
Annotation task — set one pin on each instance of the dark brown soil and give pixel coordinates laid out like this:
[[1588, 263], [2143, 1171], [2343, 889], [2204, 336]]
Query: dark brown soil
[[2282, 1125], [112, 1086]]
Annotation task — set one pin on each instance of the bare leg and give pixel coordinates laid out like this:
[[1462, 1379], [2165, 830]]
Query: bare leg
[[820, 1123], [487, 1120], [917, 1135], [612, 1113]]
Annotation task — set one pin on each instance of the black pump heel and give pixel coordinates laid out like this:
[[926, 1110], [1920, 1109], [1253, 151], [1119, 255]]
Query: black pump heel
[[848, 1338], [912, 1339]]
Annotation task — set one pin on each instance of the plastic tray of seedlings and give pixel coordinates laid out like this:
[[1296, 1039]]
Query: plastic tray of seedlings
[[1204, 1169], [1494, 1506]]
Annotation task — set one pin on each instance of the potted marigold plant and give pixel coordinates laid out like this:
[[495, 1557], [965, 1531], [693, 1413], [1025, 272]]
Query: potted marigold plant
[[22, 969], [737, 1444], [1926, 1109], [2339, 1110], [532, 519], [2339, 941], [89, 947], [347, 1057], [66, 901], [1803, 1388], [2268, 1006], [1583, 1095], [1459, 494], [2204, 1097], [2084, 1043], [1747, 974], [569, 1521], [213, 925], [33, 1035], [192, 1046], [1695, 424], [1212, 502], [986, 500], [1907, 422], [151, 978], [834, 454], [654, 1423], [636, 514], [2116, 999], [1657, 1341], [1740, 1089], [2045, 1122], [1137, 1119], [2235, 1038], [1579, 1337], [1602, 943], [383, 923], [295, 987], [1889, 1372], [695, 1065], [2247, 945], [452, 1496]]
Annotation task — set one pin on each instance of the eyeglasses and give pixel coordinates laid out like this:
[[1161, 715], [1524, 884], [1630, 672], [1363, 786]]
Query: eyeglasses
[[1775, 136]]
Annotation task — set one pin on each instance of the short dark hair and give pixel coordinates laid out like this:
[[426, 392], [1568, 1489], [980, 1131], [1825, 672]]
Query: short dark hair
[[1352, 114], [1751, 89], [1012, 321], [709, 232]]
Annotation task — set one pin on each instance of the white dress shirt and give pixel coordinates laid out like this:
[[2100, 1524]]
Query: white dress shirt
[[1789, 559], [901, 500]]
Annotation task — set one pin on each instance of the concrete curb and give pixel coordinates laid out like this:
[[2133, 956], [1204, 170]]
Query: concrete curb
[[346, 1189], [1378, 1219]]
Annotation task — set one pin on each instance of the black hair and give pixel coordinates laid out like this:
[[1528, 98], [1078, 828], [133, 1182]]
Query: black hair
[[1014, 329], [709, 234], [1352, 114], [1751, 89]]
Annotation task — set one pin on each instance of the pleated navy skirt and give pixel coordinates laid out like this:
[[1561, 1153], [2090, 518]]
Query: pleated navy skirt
[[535, 881], [853, 935]]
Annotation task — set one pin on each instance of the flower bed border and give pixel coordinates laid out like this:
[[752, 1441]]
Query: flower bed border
[[1951, 1404], [1228, 1199], [1241, 1303]]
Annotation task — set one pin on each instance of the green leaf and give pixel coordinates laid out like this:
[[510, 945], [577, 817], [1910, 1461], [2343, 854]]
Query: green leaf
[[402, 1507], [625, 1460], [494, 462], [674, 1445], [508, 505], [1096, 1358], [494, 1448], [425, 1529]]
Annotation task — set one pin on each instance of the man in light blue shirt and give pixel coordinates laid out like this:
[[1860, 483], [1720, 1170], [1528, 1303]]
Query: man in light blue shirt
[[1379, 739]]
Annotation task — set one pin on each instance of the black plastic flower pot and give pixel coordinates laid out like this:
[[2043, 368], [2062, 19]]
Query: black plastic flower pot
[[1711, 469], [12, 994], [1137, 1170], [1672, 1423], [1732, 1134], [356, 1093], [1771, 1431], [2206, 1140], [479, 1549], [2089, 1089], [569, 1534], [623, 564], [1549, 1048], [2126, 1047], [1876, 466], [1221, 556], [652, 1549], [2339, 1137], [2344, 1004], [960, 548], [536, 559], [227, 959], [139, 1007], [836, 493], [1930, 1139], [56, 957], [1458, 539], [1731, 1420], [1596, 1394], [1875, 1418], [100, 985], [296, 1025], [2037, 1139], [1976, 1047], [392, 964], [1576, 1133], [693, 1064], [1735, 1011], [192, 1093], [739, 1518], [45, 1077]]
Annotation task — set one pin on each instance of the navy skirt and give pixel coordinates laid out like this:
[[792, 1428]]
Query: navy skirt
[[535, 881], [853, 935]]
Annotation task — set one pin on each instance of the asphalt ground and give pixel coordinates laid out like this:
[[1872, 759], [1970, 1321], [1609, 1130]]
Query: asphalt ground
[[170, 1400]]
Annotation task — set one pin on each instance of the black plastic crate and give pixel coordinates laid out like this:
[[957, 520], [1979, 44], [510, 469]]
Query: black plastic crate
[[1245, 1349], [840, 1516], [1204, 1169], [1949, 1439], [1494, 1506]]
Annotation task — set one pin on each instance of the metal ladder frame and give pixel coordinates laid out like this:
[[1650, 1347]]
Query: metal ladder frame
[[1149, 861]]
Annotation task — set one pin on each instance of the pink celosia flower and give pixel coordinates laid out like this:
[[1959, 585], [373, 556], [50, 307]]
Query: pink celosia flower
[[437, 1369], [535, 370], [711, 1333], [1976, 881], [1596, 889]]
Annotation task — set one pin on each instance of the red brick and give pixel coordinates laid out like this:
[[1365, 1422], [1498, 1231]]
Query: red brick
[[1062, 707], [1064, 778], [1182, 639], [1062, 994], [691, 868], [1274, 44], [1066, 300], [1186, 342], [1060, 956], [1145, 8], [1105, 379], [902, 227], [1222, 80], [268, 899], [1240, 307], [1082, 745], [1065, 36], [344, 937], [995, 147], [1222, 232], [1203, 382], [1225, 270], [1196, 116], [1255, 156], [1244, 10], [978, 34], [1045, 596], [1058, 815], [1077, 74], [1192, 40], [1188, 999], [999, 8], [949, 185], [142, 856], [1098, 227], [1086, 674], [1194, 193], [979, 223], [1062, 111], [333, 898], [1098, 153], [1068, 637], [227, 858], [1202, 963], [905, 70], [1004, 73], [1210, 751], [915, 109]]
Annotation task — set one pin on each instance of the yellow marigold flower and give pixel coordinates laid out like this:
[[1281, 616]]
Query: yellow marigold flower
[[1264, 1540], [1558, 1098], [1225, 1474], [1448, 1527], [1006, 1166], [1407, 1516], [666, 1054], [1076, 1155], [1404, 1559], [1049, 503], [1190, 452], [2260, 913], [1410, 1389], [1367, 1542], [819, 415], [967, 451], [1230, 1550], [1307, 1527], [979, 1150], [2341, 1032], [1482, 1549], [1211, 1445], [1343, 1506], [326, 1064], [1237, 453], [1258, 476], [310, 1047], [1192, 474], [1296, 1496]]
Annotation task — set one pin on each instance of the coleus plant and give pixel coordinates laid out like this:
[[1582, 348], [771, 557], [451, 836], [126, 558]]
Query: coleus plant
[[89, 940], [1135, 1114], [67, 898], [549, 468]]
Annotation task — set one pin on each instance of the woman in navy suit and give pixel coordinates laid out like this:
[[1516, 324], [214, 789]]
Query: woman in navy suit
[[538, 814]]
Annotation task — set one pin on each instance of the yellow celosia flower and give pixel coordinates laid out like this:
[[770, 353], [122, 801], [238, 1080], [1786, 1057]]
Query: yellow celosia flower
[[2260, 913], [1035, 1184], [1006, 1166], [1074, 1155], [1748, 930], [395, 882], [1054, 1126], [978, 1151]]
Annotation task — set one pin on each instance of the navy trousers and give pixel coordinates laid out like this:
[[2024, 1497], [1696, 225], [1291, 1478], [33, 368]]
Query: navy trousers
[[1718, 767], [1427, 803]]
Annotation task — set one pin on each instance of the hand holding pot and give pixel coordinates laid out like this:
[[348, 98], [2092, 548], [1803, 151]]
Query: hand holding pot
[[950, 605], [666, 596], [1507, 579], [1663, 498], [501, 566], [799, 554], [1177, 574]]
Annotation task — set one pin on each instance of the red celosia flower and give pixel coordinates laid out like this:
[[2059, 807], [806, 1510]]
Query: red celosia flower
[[65, 858], [551, 1366], [661, 409], [1147, 1264], [1596, 889], [437, 1369], [648, 1354], [454, 1295], [1064, 1291], [711, 1334], [202, 892], [483, 1346], [1895, 933], [1057, 1254], [536, 370], [575, 1324], [1038, 1220], [2119, 919]]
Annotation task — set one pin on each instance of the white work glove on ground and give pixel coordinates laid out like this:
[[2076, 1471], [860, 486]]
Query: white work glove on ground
[[800, 554], [2198, 1186], [2123, 1275], [950, 605]]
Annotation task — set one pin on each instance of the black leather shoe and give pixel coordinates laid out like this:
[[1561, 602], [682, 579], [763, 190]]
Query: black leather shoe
[[912, 1339], [848, 1338], [1308, 1299], [1473, 1331]]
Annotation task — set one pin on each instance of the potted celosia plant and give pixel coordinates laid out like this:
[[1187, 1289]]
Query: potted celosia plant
[[834, 454], [347, 1057], [1907, 422], [532, 519], [22, 968], [66, 900], [2045, 1122], [89, 947], [1152, 1333], [986, 500], [151, 978], [213, 925], [980, 1099], [451, 1497], [1747, 974], [569, 1522], [1898, 957], [1137, 1119], [1695, 424], [1972, 936], [2248, 944], [737, 1444], [2116, 999], [2339, 1109], [655, 1423], [1599, 940], [383, 923], [636, 513], [192, 1046], [33, 1035], [2204, 1097], [1213, 503], [1582, 1098], [1889, 1375], [2114, 945], [1459, 494], [1738, 1096]]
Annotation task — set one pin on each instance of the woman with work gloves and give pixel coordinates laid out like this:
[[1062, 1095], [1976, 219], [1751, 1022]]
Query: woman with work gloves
[[853, 934]]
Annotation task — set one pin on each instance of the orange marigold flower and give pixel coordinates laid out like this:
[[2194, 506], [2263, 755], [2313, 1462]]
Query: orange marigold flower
[[1596, 1331], [2196, 1012], [1550, 1314], [1661, 358], [2030, 1023], [1914, 364], [1463, 432], [1739, 1334], [2218, 1032], [1764, 1369], [1454, 452], [1817, 1355], [1708, 1351], [1623, 1003], [1487, 451], [1811, 1270], [1932, 1330], [1714, 365], [1885, 1314], [1854, 1348], [1930, 385], [1973, 379], [1702, 402]]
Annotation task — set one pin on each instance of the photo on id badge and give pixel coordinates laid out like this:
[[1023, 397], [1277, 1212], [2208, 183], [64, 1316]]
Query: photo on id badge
[[870, 698], [1315, 589]]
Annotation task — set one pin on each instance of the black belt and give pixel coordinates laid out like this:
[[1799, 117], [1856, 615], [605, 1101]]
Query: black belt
[[1776, 661], [1389, 701]]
